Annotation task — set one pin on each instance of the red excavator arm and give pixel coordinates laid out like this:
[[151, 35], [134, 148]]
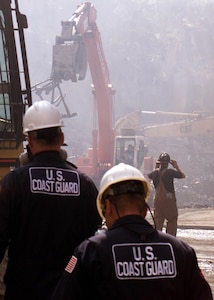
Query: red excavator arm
[[80, 43]]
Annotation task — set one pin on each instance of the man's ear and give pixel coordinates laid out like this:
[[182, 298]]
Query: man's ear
[[108, 206], [30, 142], [62, 138]]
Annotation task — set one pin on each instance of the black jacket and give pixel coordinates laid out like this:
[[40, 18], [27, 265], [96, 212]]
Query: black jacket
[[167, 178], [47, 208], [133, 261]]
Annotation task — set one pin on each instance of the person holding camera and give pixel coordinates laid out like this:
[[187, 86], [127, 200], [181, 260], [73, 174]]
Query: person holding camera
[[165, 204]]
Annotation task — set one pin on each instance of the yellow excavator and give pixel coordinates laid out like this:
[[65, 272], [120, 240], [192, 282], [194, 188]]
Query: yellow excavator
[[15, 90]]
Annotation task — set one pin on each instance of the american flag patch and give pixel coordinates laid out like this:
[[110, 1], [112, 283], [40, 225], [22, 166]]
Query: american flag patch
[[72, 263]]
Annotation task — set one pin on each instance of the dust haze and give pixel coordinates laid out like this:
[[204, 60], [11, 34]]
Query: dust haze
[[160, 56]]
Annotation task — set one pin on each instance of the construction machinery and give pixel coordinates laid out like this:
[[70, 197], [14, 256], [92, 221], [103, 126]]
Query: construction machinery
[[180, 133], [78, 46], [15, 90], [194, 124]]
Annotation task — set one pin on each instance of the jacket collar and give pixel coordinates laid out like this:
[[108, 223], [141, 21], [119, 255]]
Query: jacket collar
[[135, 223]]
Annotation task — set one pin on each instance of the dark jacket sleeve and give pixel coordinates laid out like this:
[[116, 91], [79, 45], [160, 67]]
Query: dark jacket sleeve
[[89, 191], [73, 282], [198, 286], [5, 216]]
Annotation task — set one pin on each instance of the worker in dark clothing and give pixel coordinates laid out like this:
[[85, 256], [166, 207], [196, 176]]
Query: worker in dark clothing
[[47, 207], [129, 155], [131, 259], [165, 202]]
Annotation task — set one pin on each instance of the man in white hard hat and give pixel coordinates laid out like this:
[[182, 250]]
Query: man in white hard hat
[[47, 207], [131, 259]]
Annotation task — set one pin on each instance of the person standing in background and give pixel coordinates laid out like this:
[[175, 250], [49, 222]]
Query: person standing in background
[[47, 207], [165, 202]]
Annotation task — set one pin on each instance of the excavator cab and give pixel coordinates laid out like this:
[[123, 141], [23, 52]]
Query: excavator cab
[[15, 91], [130, 149]]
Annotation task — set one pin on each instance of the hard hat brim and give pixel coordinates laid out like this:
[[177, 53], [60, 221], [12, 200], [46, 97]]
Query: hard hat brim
[[162, 162], [145, 183]]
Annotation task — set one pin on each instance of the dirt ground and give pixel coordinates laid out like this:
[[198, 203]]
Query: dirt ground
[[196, 217]]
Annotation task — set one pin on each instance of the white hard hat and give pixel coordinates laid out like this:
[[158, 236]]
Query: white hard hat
[[41, 115], [120, 173]]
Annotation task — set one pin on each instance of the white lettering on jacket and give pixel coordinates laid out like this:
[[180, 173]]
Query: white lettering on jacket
[[144, 261], [54, 181]]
